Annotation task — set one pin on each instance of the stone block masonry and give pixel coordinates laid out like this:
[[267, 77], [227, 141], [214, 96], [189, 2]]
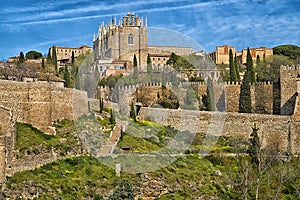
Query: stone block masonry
[[272, 129], [7, 140], [40, 104]]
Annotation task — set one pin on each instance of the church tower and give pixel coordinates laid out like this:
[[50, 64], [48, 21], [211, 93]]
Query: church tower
[[121, 41]]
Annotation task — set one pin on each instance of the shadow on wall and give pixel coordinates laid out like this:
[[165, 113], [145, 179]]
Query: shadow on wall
[[221, 104], [288, 107]]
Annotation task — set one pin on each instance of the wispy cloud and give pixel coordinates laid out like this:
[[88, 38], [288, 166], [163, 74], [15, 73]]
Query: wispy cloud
[[67, 14]]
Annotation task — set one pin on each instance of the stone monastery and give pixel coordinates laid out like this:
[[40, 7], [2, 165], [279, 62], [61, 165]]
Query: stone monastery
[[116, 44]]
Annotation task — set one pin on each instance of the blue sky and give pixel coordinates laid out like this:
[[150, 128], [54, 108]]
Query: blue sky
[[36, 25]]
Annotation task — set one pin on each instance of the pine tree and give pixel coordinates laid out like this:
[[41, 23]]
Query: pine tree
[[237, 68], [249, 67], [149, 66], [232, 67], [245, 95], [210, 95], [135, 68], [124, 190], [67, 77]]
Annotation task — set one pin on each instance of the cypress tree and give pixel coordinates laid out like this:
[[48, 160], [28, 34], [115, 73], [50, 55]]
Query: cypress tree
[[232, 67], [149, 66], [210, 95], [54, 59], [73, 58], [254, 147], [237, 68], [249, 67], [112, 118], [245, 95], [21, 58], [43, 64], [101, 105], [135, 68], [132, 112], [49, 57], [67, 77]]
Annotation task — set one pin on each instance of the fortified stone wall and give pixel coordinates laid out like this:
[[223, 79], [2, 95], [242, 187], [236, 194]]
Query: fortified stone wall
[[272, 128], [7, 140], [40, 104], [288, 84]]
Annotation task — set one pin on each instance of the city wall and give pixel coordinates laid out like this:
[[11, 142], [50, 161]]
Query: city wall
[[272, 128], [7, 140], [40, 104]]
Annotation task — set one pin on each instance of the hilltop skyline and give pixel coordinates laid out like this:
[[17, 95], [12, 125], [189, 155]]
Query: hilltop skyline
[[27, 25]]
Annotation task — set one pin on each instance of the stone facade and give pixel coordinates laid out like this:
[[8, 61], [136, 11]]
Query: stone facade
[[64, 54], [123, 40], [119, 42], [221, 54], [42, 103]]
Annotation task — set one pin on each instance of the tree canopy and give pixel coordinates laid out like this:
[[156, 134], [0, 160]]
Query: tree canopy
[[289, 50], [33, 55]]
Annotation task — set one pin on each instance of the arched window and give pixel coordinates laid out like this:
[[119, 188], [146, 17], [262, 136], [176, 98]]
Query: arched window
[[130, 39]]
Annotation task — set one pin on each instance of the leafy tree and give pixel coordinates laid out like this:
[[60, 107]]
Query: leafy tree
[[179, 62], [232, 69], [210, 95], [135, 68], [149, 66], [245, 95], [132, 112], [123, 191], [33, 55], [67, 77], [249, 67]]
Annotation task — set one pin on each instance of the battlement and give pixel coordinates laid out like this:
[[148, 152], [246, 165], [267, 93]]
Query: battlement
[[290, 68]]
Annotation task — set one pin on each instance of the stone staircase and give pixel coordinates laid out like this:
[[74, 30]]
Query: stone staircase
[[112, 141]]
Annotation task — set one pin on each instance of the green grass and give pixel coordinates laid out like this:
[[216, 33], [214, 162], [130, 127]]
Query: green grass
[[32, 139], [140, 145], [71, 178]]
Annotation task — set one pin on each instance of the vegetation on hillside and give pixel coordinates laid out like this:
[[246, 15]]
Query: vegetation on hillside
[[32, 141], [292, 51], [188, 176]]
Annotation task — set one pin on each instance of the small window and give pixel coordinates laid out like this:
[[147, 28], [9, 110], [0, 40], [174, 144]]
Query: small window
[[153, 58], [130, 39], [158, 58]]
